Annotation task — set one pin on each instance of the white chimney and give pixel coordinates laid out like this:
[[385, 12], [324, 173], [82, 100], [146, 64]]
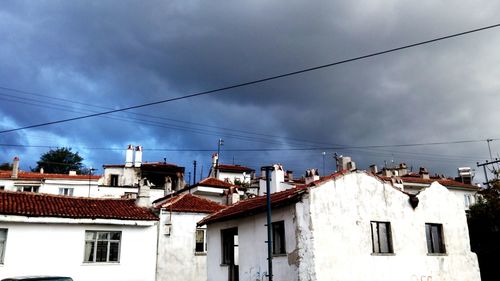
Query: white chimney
[[72, 173], [15, 168], [138, 156], [143, 199], [129, 156], [312, 175], [42, 170], [215, 160], [277, 177], [168, 186]]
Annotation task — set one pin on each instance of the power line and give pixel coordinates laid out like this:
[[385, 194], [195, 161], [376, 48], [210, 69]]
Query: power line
[[258, 81]]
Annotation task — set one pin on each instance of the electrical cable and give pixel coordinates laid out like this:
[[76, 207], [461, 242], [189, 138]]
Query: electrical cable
[[257, 81]]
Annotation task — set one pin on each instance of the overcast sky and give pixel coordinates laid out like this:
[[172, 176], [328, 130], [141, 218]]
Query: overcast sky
[[71, 58]]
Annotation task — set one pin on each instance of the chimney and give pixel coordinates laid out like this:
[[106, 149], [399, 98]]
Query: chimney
[[424, 173], [143, 196], [402, 170], [129, 156], [42, 170], [215, 159], [138, 156], [233, 196], [277, 177], [312, 175], [72, 173], [15, 168], [373, 169], [168, 186], [289, 175]]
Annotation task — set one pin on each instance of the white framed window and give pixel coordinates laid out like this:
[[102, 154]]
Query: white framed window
[[102, 246], [27, 188], [201, 240], [66, 191], [3, 242]]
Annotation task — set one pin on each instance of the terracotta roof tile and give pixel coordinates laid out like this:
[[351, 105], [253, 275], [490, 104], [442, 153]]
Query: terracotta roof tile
[[39, 176], [258, 204], [46, 205], [234, 168], [213, 182], [443, 181], [192, 204]]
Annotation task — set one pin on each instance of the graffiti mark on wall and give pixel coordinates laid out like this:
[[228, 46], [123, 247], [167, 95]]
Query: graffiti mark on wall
[[421, 277]]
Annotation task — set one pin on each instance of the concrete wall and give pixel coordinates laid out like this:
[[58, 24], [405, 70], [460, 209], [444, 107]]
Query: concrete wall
[[58, 249], [177, 260], [252, 235], [341, 212], [127, 176], [243, 177]]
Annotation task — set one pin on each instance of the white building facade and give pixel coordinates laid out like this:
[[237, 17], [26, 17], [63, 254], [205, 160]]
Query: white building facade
[[344, 227], [87, 239]]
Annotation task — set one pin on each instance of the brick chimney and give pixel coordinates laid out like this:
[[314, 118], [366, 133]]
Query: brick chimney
[[15, 168]]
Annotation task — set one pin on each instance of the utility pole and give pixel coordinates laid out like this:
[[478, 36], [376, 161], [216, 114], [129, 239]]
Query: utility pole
[[194, 171], [90, 176], [324, 153], [269, 241], [486, 163], [189, 177], [219, 144]]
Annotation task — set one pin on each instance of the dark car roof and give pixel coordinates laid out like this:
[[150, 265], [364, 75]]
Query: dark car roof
[[39, 278]]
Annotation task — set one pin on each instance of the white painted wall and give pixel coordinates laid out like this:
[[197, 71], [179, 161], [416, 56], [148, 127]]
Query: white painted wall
[[58, 249], [341, 212], [177, 260], [329, 236], [127, 176], [243, 177], [252, 234]]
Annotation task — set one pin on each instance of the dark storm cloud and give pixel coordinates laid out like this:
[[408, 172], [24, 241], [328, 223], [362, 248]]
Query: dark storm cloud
[[110, 54]]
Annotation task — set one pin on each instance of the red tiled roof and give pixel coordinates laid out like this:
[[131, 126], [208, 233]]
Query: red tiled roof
[[443, 181], [258, 204], [46, 205], [39, 176], [255, 205], [150, 164], [213, 182], [192, 204], [234, 168]]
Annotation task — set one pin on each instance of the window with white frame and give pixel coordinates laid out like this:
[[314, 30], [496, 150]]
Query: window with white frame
[[66, 191], [3, 242], [28, 188], [102, 246], [201, 240], [381, 237]]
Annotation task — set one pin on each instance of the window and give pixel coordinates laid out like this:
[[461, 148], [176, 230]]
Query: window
[[3, 240], [467, 200], [201, 244], [66, 191], [381, 237], [102, 246], [2, 187], [229, 244], [114, 180], [27, 188], [278, 238], [434, 236]]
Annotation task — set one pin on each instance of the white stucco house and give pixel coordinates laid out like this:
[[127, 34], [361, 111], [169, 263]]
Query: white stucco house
[[231, 173], [123, 179], [215, 190], [86, 238], [63, 184], [182, 248], [347, 226]]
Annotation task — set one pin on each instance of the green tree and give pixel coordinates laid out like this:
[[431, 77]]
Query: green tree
[[484, 229], [60, 161], [5, 166]]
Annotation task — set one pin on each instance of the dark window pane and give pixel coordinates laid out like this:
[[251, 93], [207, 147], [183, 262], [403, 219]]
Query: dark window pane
[[102, 251], [114, 249], [116, 235]]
